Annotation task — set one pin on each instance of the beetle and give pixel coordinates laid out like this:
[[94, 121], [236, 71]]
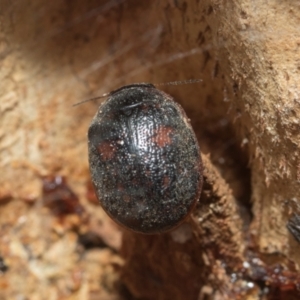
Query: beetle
[[144, 159], [293, 226]]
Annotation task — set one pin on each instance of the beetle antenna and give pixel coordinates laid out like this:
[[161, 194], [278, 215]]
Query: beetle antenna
[[91, 99], [188, 81]]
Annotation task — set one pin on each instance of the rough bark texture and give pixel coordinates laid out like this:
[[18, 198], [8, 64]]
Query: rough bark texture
[[55, 243]]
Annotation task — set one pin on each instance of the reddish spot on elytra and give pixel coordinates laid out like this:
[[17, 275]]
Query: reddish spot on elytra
[[166, 181], [162, 136], [126, 198], [120, 187], [106, 150]]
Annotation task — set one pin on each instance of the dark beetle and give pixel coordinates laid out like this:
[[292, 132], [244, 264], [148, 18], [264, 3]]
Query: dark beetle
[[144, 159], [293, 226]]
